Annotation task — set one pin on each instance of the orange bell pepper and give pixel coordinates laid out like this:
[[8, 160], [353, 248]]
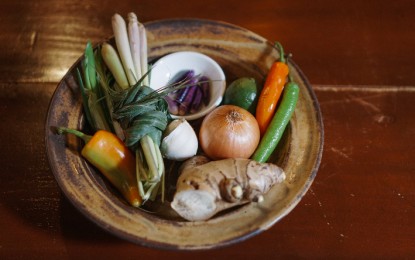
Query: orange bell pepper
[[113, 159]]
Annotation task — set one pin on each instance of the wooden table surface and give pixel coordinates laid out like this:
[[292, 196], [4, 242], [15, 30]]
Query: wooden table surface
[[359, 57]]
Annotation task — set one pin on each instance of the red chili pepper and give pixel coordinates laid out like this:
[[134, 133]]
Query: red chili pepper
[[271, 92], [113, 159]]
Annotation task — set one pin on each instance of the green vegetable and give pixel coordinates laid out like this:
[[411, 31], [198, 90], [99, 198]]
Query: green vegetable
[[95, 109], [89, 68], [142, 113], [113, 62], [141, 117], [106, 79], [242, 92], [278, 123]]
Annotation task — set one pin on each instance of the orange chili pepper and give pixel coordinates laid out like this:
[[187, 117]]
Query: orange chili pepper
[[271, 92], [113, 159]]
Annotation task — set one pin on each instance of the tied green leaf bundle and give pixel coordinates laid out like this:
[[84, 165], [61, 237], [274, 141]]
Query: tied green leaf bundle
[[142, 113]]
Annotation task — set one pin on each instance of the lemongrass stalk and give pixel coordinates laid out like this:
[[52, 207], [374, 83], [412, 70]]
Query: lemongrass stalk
[[147, 145], [161, 171], [84, 98], [140, 174], [150, 190], [143, 52], [106, 89], [86, 74], [111, 59], [134, 39], [145, 187], [121, 39], [159, 160], [97, 112], [140, 161], [155, 192], [141, 190]]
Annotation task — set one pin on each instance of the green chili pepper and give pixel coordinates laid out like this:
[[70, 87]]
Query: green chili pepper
[[112, 158], [278, 123]]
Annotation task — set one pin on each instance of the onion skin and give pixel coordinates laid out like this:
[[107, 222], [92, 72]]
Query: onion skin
[[229, 132]]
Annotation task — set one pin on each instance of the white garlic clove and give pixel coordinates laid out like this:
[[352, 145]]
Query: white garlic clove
[[180, 142]]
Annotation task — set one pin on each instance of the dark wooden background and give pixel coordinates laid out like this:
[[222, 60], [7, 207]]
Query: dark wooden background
[[359, 57]]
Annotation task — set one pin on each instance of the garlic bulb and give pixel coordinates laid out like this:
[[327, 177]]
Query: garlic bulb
[[180, 141]]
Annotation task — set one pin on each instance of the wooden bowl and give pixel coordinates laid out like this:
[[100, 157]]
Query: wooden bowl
[[240, 53]]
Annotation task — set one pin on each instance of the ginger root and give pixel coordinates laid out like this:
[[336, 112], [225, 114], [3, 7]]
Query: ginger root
[[205, 188]]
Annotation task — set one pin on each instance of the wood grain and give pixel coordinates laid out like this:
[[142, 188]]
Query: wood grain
[[353, 42], [358, 55]]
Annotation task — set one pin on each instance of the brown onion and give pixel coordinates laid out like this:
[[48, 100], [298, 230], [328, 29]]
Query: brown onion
[[229, 132]]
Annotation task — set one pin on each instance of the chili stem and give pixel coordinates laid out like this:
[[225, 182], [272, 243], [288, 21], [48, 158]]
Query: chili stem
[[278, 45], [64, 130]]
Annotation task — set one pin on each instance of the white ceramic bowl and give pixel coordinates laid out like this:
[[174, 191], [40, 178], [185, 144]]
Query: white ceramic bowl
[[168, 66]]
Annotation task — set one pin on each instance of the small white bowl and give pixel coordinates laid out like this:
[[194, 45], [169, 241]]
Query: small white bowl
[[168, 66]]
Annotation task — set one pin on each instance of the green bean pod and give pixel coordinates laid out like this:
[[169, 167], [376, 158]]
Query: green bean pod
[[279, 122]]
